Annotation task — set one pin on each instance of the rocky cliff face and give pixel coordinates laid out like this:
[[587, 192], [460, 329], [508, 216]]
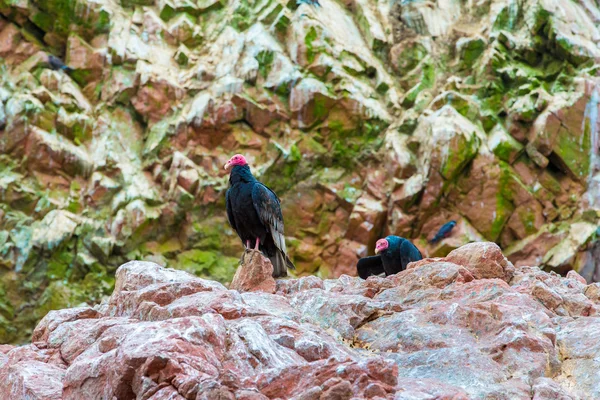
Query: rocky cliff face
[[367, 118], [468, 326]]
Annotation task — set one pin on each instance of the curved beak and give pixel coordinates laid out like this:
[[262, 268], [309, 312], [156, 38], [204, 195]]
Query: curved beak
[[227, 165]]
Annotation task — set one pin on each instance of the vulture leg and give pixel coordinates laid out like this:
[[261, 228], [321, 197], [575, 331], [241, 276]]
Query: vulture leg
[[255, 248], [247, 244], [246, 252]]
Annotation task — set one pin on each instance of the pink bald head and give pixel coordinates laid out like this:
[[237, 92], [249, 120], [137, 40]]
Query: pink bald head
[[381, 245], [238, 159]]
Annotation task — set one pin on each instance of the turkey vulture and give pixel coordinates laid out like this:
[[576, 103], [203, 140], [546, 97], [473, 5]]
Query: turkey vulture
[[393, 255], [444, 232], [56, 64], [254, 213]]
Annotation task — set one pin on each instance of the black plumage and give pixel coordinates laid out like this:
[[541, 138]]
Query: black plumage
[[57, 64], [391, 260], [254, 212], [444, 232]]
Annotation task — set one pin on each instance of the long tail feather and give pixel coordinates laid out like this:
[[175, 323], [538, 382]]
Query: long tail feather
[[289, 262], [279, 265]]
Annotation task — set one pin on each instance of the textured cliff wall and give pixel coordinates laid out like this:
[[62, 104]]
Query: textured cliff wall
[[367, 117]]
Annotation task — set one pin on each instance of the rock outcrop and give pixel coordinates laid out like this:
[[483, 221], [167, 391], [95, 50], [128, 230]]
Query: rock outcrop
[[367, 117], [254, 275], [468, 326]]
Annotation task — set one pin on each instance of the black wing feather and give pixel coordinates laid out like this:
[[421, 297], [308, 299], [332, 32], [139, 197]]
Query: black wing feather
[[268, 208], [368, 266], [230, 211]]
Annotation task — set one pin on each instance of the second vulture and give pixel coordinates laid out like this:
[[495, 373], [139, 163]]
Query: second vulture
[[393, 255]]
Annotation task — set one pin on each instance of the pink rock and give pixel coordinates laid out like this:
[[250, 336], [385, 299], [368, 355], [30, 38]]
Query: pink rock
[[291, 286], [255, 273], [563, 296], [592, 292], [484, 259], [5, 348], [341, 390], [575, 276], [420, 283], [140, 302], [55, 318], [459, 333], [31, 380], [547, 389], [137, 275], [259, 116], [438, 330], [356, 286], [341, 313], [580, 349], [424, 261], [409, 388]]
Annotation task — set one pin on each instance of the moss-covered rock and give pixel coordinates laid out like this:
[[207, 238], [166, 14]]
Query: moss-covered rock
[[469, 49], [449, 140], [504, 146]]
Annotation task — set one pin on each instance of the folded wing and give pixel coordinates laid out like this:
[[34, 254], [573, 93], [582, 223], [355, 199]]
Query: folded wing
[[230, 211], [368, 266], [268, 209], [408, 253]]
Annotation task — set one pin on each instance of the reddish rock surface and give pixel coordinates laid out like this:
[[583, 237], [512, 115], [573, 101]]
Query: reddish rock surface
[[254, 274], [469, 326], [483, 260]]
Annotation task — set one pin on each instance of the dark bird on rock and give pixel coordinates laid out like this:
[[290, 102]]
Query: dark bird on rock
[[254, 212], [392, 256], [57, 64], [444, 232]]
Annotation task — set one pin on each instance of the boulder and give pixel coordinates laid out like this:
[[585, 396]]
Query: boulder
[[255, 273], [250, 345], [484, 260], [30, 379]]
